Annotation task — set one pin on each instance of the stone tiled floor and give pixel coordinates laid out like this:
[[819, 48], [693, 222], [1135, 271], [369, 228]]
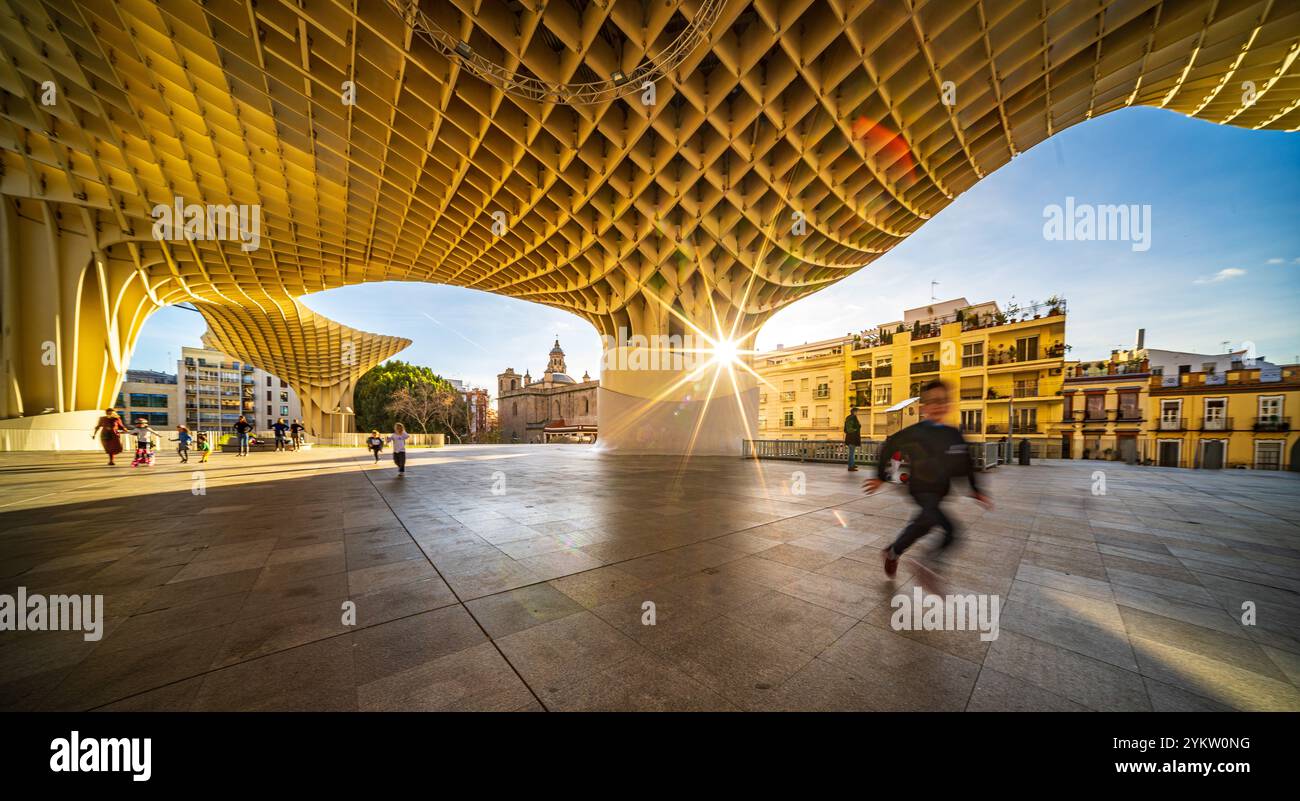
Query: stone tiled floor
[[513, 578]]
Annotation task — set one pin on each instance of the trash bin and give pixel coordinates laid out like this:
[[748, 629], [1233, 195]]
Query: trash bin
[[1025, 451]]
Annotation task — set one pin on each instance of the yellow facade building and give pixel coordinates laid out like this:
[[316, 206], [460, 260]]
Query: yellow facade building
[[1234, 418], [1005, 368], [802, 394], [1179, 409]]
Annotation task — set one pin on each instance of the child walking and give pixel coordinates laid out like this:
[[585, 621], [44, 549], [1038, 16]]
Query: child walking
[[398, 438], [182, 440], [375, 443], [937, 453], [205, 447], [143, 443]]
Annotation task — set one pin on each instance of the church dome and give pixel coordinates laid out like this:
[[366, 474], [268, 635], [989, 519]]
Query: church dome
[[562, 378]]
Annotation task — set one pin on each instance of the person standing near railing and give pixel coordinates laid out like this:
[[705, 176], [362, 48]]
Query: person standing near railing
[[852, 437]]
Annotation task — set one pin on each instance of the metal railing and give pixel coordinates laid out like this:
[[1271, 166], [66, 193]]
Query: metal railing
[[925, 366], [1272, 422], [808, 451], [1173, 424], [1216, 424]]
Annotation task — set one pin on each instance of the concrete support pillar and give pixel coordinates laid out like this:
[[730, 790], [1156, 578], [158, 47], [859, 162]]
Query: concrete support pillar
[[657, 400]]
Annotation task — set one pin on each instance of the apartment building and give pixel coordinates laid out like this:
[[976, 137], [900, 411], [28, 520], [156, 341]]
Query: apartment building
[[149, 394], [214, 390], [1213, 418], [1182, 409], [802, 394], [1006, 368]]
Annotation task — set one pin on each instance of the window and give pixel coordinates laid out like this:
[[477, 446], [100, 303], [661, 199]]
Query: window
[[268, 394], [268, 410], [514, 407], [803, 412], [1128, 406], [283, 384], [1270, 408], [803, 385], [1095, 408], [284, 397], [1026, 420], [1171, 412], [1027, 349], [884, 395], [972, 354], [787, 418], [586, 406], [884, 361], [972, 421], [823, 387], [1216, 414], [284, 410], [268, 381]]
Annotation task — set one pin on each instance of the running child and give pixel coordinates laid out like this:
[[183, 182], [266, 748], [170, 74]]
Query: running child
[[398, 438], [937, 453], [375, 443], [182, 440], [143, 443]]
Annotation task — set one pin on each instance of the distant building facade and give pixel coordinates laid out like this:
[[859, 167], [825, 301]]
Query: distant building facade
[[555, 408], [214, 390], [152, 395]]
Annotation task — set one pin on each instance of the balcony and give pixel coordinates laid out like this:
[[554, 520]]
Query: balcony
[[1027, 390], [967, 429], [822, 393], [1128, 415], [926, 366], [884, 371], [995, 428], [972, 361], [1216, 424], [1172, 424], [972, 394], [787, 396], [1272, 422], [821, 422], [860, 375]]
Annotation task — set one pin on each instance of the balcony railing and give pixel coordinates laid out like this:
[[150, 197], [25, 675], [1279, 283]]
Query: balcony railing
[[995, 428], [860, 375], [927, 366], [884, 371], [1173, 424], [787, 396], [1026, 390], [1216, 424], [1272, 422], [972, 361], [972, 394], [821, 393]]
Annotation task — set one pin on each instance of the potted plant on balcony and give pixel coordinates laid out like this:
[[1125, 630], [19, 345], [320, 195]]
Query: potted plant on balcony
[[1053, 305]]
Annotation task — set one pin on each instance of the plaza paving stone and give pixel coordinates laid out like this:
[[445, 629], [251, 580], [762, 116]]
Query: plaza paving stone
[[515, 578]]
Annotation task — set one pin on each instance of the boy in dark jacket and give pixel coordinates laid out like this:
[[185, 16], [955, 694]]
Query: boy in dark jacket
[[937, 453]]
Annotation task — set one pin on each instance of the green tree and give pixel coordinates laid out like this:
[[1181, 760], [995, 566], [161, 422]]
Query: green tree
[[374, 392]]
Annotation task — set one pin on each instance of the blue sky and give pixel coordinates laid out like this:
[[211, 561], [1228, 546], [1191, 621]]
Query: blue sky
[[1223, 265]]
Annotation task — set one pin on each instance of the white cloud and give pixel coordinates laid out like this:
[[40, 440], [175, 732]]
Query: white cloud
[[1275, 261], [1222, 275]]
